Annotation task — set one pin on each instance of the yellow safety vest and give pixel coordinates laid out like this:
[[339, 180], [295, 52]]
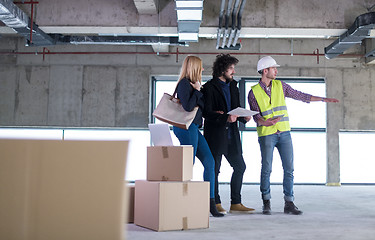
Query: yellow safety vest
[[272, 107]]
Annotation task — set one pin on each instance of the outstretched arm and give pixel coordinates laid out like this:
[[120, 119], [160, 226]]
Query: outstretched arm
[[322, 99], [301, 96]]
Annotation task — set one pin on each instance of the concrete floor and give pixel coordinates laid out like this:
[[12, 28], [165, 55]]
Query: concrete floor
[[346, 212]]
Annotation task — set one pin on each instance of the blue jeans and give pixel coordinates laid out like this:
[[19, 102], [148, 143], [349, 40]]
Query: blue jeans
[[283, 142], [193, 137]]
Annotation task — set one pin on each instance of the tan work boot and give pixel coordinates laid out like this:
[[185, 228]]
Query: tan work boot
[[239, 208], [220, 209]]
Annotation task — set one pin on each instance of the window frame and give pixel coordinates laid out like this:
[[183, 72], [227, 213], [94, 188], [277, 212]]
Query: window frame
[[243, 94]]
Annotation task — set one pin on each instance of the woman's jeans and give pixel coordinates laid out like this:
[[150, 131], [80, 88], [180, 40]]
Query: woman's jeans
[[283, 142], [193, 137]]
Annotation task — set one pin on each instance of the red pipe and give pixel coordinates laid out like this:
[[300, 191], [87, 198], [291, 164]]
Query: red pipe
[[32, 2], [32, 22], [177, 55], [45, 50]]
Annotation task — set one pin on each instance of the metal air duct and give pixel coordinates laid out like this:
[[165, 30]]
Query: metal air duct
[[15, 18], [12, 16], [359, 30], [189, 18], [39, 38], [120, 40]]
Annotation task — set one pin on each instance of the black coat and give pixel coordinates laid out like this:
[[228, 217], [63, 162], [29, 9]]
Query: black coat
[[190, 98], [215, 124]]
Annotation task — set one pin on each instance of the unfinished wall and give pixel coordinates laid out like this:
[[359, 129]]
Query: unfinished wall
[[112, 90]]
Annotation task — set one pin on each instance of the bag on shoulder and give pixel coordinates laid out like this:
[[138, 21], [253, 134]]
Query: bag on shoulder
[[170, 110]]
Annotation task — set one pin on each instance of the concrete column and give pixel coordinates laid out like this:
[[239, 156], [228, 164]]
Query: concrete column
[[335, 121]]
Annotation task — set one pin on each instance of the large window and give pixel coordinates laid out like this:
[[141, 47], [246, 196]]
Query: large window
[[308, 122], [357, 157]]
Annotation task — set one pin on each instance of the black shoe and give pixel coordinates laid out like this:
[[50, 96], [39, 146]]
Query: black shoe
[[267, 207], [290, 208], [213, 209]]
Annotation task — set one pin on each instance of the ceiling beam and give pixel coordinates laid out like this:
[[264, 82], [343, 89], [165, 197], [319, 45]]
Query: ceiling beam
[[146, 6], [204, 32]]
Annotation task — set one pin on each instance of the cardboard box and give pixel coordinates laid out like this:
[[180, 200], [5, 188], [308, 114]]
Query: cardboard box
[[62, 189], [170, 163], [130, 197], [163, 206]]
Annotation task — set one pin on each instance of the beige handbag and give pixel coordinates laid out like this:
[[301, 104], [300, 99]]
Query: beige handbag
[[170, 110]]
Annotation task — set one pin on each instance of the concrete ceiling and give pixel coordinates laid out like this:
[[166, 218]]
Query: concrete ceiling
[[261, 18]]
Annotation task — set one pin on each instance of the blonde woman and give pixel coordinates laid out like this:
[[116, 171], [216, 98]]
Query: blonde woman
[[188, 91]]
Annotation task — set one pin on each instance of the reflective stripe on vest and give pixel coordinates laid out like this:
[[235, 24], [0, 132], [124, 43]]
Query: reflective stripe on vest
[[272, 107]]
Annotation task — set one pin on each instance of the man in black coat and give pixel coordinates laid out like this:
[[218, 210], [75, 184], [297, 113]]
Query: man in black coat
[[221, 95]]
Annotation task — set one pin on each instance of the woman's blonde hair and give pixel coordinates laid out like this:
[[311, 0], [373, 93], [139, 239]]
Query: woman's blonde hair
[[191, 69]]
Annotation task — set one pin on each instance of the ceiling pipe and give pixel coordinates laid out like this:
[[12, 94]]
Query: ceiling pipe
[[26, 2], [31, 20], [239, 18], [314, 54], [226, 35], [233, 30], [220, 30], [46, 52], [119, 40]]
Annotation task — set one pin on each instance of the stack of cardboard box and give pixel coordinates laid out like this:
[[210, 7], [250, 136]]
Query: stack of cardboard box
[[168, 199]]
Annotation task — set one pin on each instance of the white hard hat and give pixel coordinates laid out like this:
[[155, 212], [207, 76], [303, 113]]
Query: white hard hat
[[266, 62]]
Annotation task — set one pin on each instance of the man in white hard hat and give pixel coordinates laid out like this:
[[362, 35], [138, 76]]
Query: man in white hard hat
[[268, 98]]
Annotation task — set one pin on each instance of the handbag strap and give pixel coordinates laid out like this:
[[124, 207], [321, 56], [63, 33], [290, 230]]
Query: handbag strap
[[175, 91]]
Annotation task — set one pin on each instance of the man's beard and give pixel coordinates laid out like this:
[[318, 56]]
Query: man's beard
[[228, 79]]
